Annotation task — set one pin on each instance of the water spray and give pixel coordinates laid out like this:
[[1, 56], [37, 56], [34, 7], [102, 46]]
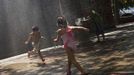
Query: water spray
[[60, 8]]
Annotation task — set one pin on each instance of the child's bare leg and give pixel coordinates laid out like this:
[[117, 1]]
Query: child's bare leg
[[69, 67], [28, 54], [98, 37], [40, 55], [73, 60], [103, 36], [77, 65]]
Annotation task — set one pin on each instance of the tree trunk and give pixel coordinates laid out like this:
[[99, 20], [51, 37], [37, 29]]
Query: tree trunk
[[103, 7], [115, 11]]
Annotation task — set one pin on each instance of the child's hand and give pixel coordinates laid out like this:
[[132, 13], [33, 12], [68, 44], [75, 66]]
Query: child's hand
[[26, 42], [55, 40], [33, 43], [43, 37]]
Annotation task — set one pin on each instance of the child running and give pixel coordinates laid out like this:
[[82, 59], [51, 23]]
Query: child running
[[34, 39], [66, 34]]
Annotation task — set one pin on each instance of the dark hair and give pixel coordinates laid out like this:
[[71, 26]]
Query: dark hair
[[61, 22], [35, 28]]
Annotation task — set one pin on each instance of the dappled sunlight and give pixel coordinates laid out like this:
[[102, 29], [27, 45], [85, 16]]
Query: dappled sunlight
[[113, 33], [125, 25], [120, 63], [21, 66]]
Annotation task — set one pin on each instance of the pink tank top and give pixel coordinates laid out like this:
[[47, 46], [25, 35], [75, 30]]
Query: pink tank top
[[68, 39]]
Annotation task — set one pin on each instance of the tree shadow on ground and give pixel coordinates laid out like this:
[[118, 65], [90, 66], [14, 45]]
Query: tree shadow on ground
[[112, 54]]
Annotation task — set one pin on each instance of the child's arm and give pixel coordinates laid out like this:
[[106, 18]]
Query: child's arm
[[79, 28], [29, 39], [58, 35]]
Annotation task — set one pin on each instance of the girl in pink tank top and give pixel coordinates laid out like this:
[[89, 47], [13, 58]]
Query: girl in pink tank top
[[66, 34], [68, 39]]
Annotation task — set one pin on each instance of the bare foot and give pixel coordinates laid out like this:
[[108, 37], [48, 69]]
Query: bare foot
[[43, 62]]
